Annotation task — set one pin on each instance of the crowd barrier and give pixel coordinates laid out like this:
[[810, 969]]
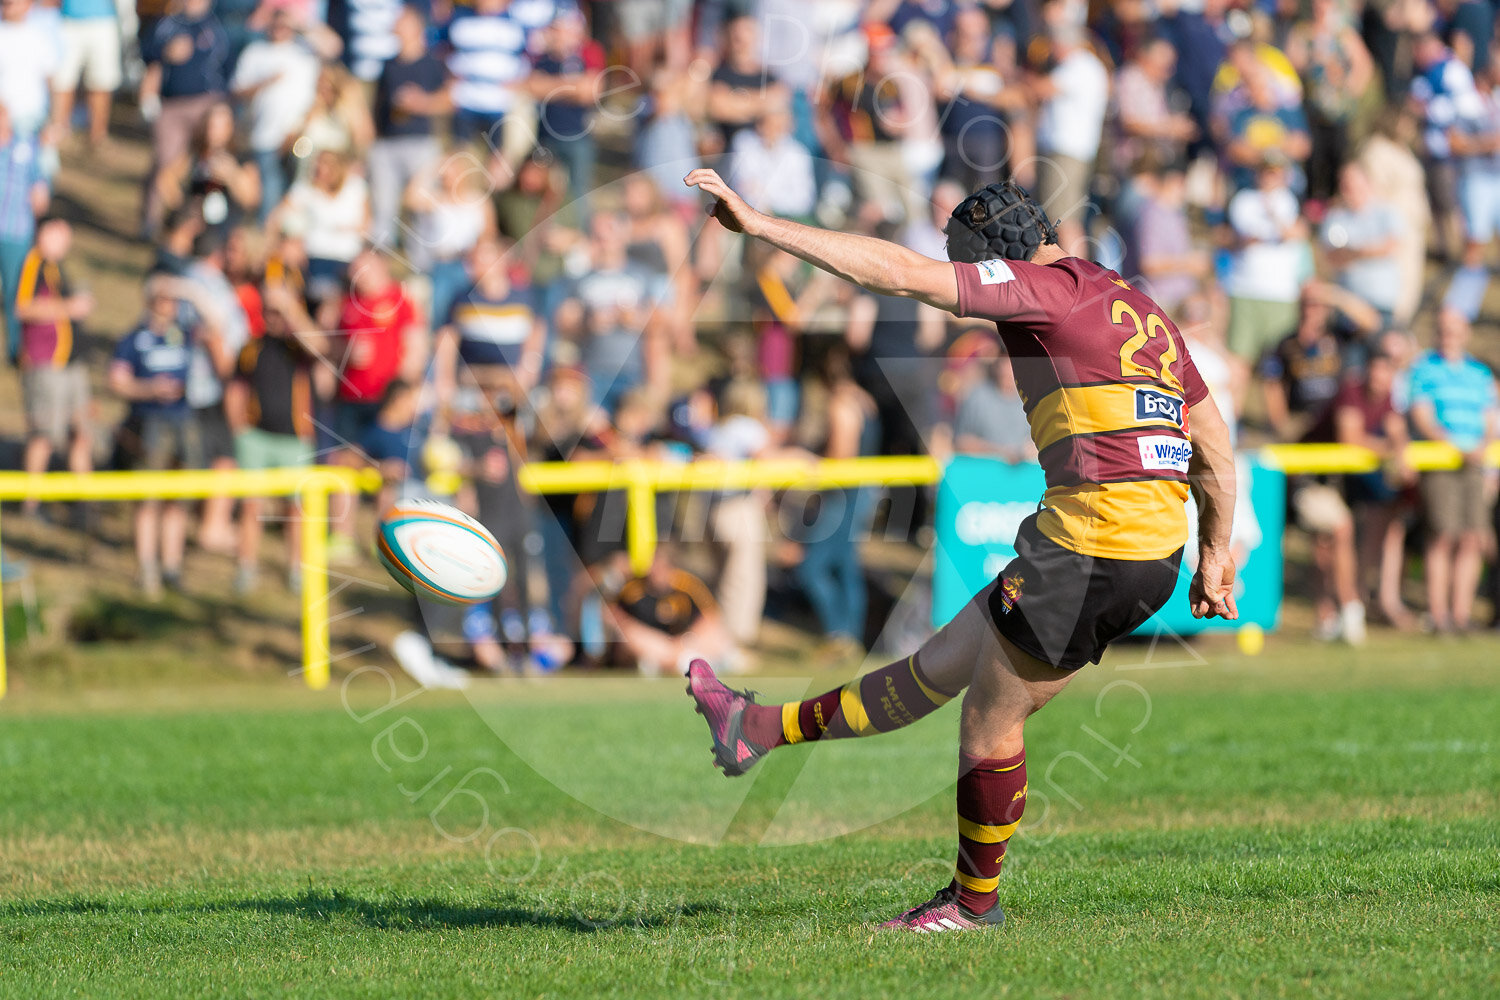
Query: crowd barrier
[[640, 479]]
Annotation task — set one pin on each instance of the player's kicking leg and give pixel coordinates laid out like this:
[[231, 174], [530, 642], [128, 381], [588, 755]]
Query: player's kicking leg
[[1005, 686]]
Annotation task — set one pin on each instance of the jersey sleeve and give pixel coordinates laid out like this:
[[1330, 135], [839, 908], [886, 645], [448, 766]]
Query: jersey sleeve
[[1013, 291], [1194, 389]]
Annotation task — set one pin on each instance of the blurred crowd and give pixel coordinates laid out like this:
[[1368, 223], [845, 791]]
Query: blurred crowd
[[447, 238]]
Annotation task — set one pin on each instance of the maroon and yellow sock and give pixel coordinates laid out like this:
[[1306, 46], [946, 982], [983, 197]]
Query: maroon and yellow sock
[[991, 798], [896, 695]]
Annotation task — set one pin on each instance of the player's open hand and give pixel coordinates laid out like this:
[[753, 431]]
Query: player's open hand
[[1212, 591], [729, 208]]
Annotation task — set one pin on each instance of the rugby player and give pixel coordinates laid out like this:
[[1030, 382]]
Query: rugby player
[[1108, 386]]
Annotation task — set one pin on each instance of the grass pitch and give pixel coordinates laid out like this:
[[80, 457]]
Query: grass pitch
[[1309, 823]]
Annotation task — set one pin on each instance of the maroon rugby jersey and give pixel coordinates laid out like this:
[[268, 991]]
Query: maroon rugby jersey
[[1107, 383]]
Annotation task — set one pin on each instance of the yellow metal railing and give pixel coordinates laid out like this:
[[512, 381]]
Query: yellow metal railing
[[640, 479], [311, 485]]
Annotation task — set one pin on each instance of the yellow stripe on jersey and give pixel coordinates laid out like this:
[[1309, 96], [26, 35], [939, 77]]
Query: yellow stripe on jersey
[[1140, 520], [1097, 409], [986, 833]]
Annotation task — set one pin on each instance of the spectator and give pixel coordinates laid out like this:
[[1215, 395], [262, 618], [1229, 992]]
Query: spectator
[[275, 80], [1443, 94], [1365, 416], [392, 440], [338, 121], [330, 212], [276, 429], [208, 182], [610, 314], [739, 516], [487, 59], [413, 90], [1199, 34], [150, 371], [450, 216], [91, 56], [867, 112], [1148, 122], [493, 339], [380, 337], [991, 418], [1396, 173], [1265, 129], [367, 30], [1362, 238], [1074, 98], [772, 170], [187, 57], [666, 145], [742, 88], [30, 53], [215, 351], [1453, 399], [54, 383], [566, 79], [667, 617], [1300, 380], [1336, 71], [658, 241], [25, 192], [830, 571], [974, 101], [1268, 263], [1161, 248]]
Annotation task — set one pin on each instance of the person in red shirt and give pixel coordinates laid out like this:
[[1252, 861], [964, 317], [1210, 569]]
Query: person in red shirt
[[1108, 385], [381, 336]]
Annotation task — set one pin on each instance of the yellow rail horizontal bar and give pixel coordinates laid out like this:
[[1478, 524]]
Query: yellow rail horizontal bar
[[711, 474], [185, 484], [1332, 459]]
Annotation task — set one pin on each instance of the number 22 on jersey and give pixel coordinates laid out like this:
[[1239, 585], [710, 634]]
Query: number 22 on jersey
[[1145, 331]]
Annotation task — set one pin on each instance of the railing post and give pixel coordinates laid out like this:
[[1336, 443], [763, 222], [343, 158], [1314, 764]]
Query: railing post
[[315, 611], [640, 515]]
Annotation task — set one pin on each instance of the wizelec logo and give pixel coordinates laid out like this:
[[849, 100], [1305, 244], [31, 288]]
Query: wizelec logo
[[1152, 404], [1161, 452]]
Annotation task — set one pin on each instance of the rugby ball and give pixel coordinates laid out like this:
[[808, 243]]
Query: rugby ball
[[437, 551]]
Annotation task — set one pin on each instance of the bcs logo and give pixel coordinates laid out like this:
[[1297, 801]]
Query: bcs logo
[[1153, 404]]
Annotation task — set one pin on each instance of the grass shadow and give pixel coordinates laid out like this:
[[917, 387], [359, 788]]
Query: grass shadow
[[390, 915]]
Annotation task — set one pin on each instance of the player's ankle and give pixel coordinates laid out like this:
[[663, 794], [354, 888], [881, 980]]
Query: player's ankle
[[977, 903]]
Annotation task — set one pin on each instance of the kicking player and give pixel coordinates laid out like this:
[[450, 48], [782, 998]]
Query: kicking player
[[1108, 387]]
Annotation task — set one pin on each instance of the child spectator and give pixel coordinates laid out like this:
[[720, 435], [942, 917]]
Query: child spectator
[[666, 617], [54, 382], [1453, 399]]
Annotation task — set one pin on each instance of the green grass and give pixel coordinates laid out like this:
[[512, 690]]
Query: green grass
[[1310, 823]]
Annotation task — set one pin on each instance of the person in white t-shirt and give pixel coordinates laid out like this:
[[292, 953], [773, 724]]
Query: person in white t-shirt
[[774, 170], [1268, 265], [30, 52], [331, 211], [275, 78], [1075, 97]]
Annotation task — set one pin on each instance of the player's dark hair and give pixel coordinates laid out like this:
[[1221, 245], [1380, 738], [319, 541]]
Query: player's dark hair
[[999, 220]]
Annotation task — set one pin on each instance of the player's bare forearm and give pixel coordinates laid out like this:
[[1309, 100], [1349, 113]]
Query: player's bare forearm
[[876, 265], [1211, 475]]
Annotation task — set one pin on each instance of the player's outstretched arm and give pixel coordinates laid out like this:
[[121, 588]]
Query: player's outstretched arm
[[876, 265], [1211, 474]]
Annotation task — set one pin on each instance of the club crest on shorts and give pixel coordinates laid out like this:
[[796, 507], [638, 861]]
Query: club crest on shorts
[[1010, 592]]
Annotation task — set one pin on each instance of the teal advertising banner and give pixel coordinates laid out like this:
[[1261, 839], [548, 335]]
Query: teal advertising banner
[[981, 503]]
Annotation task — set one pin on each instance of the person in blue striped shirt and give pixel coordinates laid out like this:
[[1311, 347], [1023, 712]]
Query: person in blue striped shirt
[[1453, 398]]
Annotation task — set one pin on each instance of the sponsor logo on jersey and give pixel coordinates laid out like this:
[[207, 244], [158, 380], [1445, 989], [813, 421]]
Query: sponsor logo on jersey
[[1010, 592], [1153, 404], [1161, 452], [994, 272]]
